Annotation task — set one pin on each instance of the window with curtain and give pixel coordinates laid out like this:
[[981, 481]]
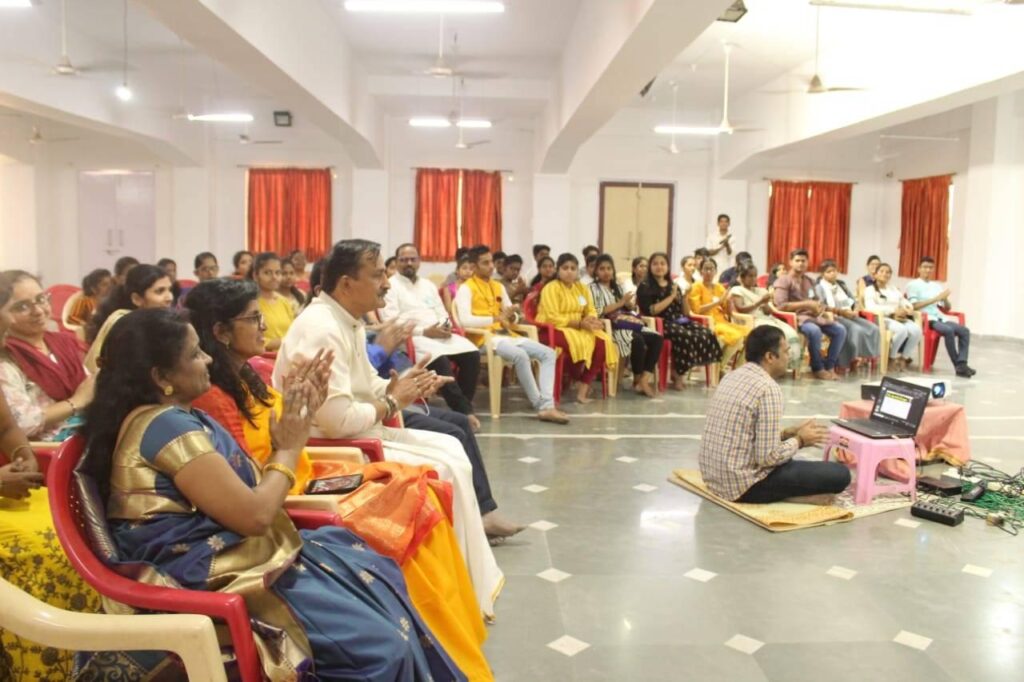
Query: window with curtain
[[456, 208], [289, 208], [924, 224], [809, 215]]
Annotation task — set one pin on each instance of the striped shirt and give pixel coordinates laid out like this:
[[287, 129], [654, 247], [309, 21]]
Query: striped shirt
[[742, 435]]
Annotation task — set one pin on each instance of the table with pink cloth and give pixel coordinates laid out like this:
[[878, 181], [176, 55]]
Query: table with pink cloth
[[943, 432]]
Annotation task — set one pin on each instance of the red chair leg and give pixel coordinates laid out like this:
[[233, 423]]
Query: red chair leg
[[663, 365]]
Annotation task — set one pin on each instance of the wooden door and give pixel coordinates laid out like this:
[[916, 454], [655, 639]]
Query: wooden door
[[635, 220], [116, 217]]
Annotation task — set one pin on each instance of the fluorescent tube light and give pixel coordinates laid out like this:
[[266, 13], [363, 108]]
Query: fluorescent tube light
[[237, 117], [15, 4], [429, 122], [688, 130], [473, 123], [928, 6], [426, 6]]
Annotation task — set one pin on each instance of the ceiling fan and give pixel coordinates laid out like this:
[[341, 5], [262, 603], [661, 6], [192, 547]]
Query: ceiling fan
[[37, 137], [441, 68], [816, 86], [460, 142], [245, 139]]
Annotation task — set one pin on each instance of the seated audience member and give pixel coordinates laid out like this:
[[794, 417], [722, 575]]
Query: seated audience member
[[730, 275], [540, 252], [294, 295], [566, 303], [545, 273], [638, 273], [499, 265], [586, 276], [206, 267], [748, 298], [184, 499], [864, 281], [463, 271], [685, 278], [745, 455], [95, 286], [862, 337], [453, 276], [641, 345], [397, 508], [358, 400], [794, 293], [41, 372], [886, 300], [411, 298], [931, 297], [719, 244], [31, 557], [146, 286], [709, 297], [693, 345], [300, 263], [171, 269], [514, 284], [242, 260], [122, 267], [482, 302], [590, 250], [278, 312], [778, 270], [390, 266]]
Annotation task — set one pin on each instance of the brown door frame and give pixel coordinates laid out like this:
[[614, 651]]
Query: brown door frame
[[671, 187]]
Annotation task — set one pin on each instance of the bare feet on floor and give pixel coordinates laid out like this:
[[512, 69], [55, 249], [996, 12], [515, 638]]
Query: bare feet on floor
[[474, 422], [583, 393], [554, 416], [679, 383], [643, 386], [497, 526], [825, 375]]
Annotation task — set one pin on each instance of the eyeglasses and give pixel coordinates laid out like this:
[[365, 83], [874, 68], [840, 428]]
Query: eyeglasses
[[256, 318], [40, 301]]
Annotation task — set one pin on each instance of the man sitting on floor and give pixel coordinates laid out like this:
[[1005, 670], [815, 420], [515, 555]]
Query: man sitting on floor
[[928, 295], [794, 293], [743, 457], [415, 299]]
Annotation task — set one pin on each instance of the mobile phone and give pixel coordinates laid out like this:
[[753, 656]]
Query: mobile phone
[[335, 485]]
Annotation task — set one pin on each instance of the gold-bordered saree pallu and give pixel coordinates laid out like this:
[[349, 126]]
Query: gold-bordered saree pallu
[[322, 603]]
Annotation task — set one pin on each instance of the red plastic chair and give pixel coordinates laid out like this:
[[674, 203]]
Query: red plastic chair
[[550, 336], [59, 295], [70, 524], [187, 283], [665, 359], [762, 280], [931, 338], [302, 285]]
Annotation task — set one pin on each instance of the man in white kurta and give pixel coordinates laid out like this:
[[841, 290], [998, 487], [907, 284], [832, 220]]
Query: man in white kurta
[[357, 397], [719, 244], [412, 298]]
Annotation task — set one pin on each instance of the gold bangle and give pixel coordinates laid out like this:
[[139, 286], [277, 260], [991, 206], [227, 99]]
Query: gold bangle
[[283, 470], [14, 453]]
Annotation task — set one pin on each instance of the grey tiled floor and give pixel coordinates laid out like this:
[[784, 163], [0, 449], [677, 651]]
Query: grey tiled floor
[[627, 552]]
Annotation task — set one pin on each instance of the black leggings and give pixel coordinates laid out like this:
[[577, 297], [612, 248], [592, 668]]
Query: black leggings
[[644, 351], [797, 478], [458, 395]]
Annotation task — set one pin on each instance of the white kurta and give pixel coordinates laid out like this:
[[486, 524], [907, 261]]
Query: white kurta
[[722, 259], [418, 302], [349, 412]]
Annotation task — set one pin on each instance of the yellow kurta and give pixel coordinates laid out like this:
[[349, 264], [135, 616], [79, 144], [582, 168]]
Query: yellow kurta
[[727, 332], [278, 315], [561, 305], [32, 559]]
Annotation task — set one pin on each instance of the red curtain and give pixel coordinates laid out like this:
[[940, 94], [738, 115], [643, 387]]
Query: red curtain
[[810, 215], [481, 208], [290, 208], [925, 224], [437, 202]]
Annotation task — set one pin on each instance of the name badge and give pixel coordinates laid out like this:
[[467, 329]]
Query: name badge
[[583, 300]]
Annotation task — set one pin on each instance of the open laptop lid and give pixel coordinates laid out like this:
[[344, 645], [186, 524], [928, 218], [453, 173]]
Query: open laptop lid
[[900, 404]]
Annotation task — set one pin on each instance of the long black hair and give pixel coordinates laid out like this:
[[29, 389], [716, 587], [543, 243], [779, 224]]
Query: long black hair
[[536, 278], [137, 281], [220, 301], [294, 291], [259, 261], [136, 345], [614, 286], [93, 280], [653, 283]]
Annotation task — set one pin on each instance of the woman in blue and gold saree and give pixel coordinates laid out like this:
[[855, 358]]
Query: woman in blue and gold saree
[[188, 508]]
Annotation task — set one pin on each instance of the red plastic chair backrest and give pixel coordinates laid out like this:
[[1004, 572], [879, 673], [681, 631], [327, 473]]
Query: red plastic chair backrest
[[264, 367], [530, 306], [59, 295], [187, 283], [762, 280]]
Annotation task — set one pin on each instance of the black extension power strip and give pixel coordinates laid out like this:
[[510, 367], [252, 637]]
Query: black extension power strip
[[938, 513]]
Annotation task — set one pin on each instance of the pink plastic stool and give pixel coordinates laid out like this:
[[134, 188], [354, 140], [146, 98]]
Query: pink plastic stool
[[869, 452]]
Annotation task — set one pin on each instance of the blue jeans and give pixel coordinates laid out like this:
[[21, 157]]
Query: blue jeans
[[954, 334], [519, 353], [813, 331]]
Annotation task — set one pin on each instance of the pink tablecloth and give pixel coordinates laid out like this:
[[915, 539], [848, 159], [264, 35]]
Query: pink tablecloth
[[943, 432]]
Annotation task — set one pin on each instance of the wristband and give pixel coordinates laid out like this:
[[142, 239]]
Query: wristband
[[283, 470], [74, 410]]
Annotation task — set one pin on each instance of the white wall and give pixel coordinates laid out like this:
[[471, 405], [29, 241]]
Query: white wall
[[17, 216]]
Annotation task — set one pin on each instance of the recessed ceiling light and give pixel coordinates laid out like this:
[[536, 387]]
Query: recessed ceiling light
[[15, 4], [688, 130], [426, 6], [123, 92], [237, 117], [429, 122]]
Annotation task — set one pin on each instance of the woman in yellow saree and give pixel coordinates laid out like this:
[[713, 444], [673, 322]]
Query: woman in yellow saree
[[402, 511]]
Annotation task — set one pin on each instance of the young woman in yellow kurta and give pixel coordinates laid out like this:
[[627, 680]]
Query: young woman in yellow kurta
[[278, 313], [567, 304], [709, 297]]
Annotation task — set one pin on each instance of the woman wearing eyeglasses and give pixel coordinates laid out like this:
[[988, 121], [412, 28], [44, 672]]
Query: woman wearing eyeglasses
[[41, 372]]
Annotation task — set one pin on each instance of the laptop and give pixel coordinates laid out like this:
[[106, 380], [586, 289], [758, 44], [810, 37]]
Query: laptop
[[896, 413]]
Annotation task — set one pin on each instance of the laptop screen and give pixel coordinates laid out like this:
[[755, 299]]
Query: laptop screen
[[900, 403]]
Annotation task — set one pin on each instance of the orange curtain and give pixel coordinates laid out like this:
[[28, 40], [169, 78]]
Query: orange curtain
[[437, 203], [925, 224], [810, 215], [481, 208], [290, 208]]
